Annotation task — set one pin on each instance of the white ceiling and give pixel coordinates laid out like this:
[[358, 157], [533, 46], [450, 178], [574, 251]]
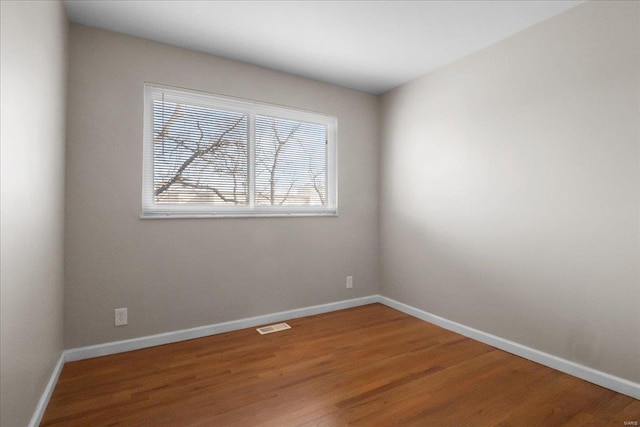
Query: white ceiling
[[370, 46]]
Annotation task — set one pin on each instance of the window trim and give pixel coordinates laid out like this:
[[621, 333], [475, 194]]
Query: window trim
[[151, 210]]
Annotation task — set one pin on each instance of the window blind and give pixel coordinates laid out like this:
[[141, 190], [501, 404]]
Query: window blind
[[291, 162], [206, 155]]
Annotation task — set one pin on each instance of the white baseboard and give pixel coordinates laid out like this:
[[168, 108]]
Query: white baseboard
[[203, 331], [48, 391], [600, 378]]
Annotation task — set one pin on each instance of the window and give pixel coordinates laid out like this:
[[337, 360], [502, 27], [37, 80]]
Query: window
[[207, 156]]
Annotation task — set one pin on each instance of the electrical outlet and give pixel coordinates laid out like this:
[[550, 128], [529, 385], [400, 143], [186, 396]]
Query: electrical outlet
[[349, 282], [121, 316]]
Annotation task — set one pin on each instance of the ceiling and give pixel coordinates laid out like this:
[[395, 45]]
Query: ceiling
[[372, 46]]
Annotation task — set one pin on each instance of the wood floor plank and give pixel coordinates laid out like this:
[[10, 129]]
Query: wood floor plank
[[365, 366]]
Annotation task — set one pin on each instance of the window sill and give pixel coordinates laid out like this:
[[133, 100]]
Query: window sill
[[174, 215]]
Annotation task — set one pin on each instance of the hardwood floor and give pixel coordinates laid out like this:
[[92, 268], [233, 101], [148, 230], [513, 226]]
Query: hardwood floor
[[368, 366]]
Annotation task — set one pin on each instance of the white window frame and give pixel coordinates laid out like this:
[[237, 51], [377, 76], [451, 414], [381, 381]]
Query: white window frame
[[150, 209]]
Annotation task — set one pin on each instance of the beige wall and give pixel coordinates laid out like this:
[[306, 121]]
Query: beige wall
[[510, 189], [33, 49], [182, 273]]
